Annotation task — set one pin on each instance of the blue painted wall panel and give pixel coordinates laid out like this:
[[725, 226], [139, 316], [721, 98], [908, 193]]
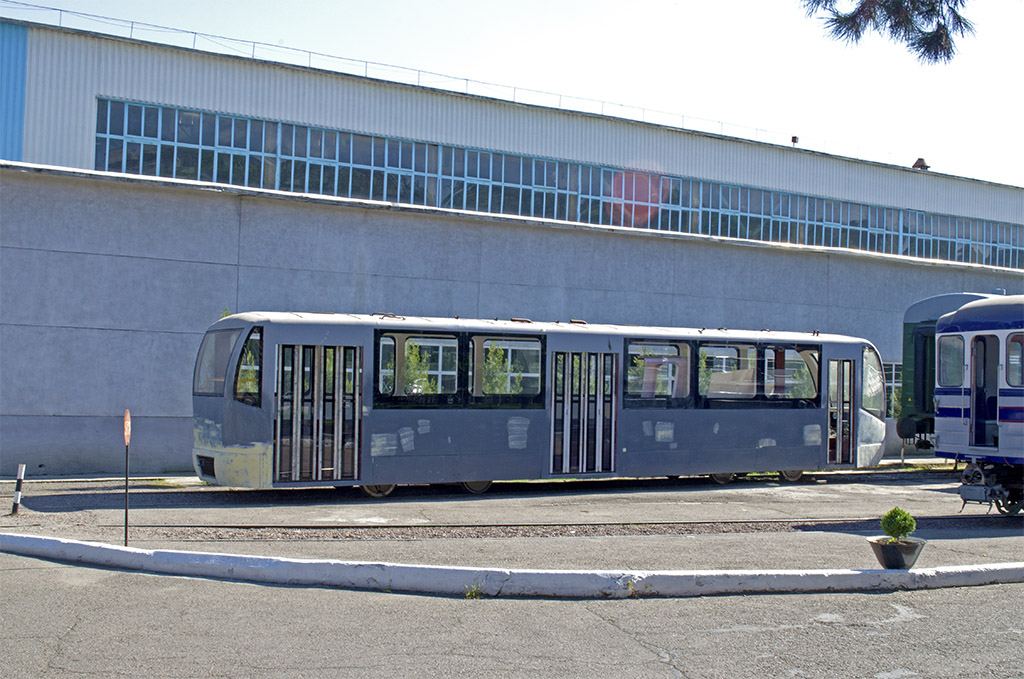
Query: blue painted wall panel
[[13, 57]]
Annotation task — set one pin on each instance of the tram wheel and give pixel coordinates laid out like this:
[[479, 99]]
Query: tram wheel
[[379, 491], [722, 478], [476, 487], [1009, 508], [791, 475]]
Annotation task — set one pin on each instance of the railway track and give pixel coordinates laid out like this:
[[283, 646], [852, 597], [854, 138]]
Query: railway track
[[329, 532]]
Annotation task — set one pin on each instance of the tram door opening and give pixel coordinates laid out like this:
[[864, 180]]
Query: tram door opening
[[840, 412], [985, 391], [317, 431], [583, 405]]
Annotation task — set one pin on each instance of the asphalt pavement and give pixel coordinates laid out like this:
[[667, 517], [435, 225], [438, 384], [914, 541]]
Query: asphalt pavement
[[816, 526]]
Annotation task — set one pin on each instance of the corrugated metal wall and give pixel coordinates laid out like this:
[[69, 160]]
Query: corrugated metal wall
[[68, 70], [13, 50]]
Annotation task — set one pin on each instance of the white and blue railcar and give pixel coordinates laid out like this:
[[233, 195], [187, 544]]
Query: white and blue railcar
[[979, 398], [312, 399]]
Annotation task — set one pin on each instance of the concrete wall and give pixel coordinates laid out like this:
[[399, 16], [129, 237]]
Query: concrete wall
[[108, 282]]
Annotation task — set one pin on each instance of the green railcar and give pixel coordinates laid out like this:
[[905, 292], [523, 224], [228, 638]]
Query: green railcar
[[917, 406]]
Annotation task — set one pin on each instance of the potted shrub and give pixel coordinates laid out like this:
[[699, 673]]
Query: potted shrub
[[896, 549]]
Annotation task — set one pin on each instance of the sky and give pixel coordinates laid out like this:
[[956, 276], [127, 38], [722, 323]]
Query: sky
[[760, 69]]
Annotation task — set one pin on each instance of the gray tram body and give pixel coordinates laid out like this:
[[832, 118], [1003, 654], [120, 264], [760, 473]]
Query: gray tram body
[[308, 399]]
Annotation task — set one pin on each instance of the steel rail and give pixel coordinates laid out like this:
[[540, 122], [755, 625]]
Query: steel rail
[[565, 525]]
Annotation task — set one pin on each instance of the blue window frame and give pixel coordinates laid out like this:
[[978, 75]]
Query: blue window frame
[[139, 138]]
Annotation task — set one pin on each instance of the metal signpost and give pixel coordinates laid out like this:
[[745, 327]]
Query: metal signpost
[[127, 440]]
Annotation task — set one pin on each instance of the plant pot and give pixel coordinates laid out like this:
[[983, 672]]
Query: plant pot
[[896, 555]]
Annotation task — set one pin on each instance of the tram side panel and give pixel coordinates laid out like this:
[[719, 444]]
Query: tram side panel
[[659, 442], [410, 445]]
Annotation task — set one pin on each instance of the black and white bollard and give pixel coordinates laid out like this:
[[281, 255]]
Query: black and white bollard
[[17, 489]]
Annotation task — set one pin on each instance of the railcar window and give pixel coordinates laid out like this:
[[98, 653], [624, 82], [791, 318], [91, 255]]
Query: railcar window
[[791, 373], [658, 370], [1015, 361], [386, 366], [873, 383], [212, 363], [507, 366], [727, 371], [951, 361], [250, 365], [431, 365], [413, 365]]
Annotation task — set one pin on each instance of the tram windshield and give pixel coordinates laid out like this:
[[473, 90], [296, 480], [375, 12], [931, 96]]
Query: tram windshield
[[873, 387], [212, 363]]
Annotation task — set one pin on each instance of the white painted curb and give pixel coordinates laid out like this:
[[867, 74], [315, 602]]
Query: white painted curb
[[501, 582]]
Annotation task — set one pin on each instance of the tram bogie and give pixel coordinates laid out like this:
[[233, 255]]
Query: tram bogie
[[979, 399], [289, 400]]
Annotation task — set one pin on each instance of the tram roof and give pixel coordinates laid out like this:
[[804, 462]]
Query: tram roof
[[994, 313], [933, 308], [524, 326]]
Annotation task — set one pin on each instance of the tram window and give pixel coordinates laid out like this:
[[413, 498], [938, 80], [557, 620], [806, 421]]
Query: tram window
[[508, 366], [250, 363], [873, 383], [386, 366], [658, 370], [791, 372], [1015, 361], [951, 361], [212, 363], [431, 365], [727, 371]]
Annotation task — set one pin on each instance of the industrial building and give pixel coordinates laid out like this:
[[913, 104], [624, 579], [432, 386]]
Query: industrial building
[[145, 189]]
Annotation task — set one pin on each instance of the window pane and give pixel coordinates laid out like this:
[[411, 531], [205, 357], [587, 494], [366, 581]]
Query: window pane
[[658, 370], [240, 133], [101, 154], [167, 123], [951, 361], [873, 383], [270, 137], [166, 160], [256, 136], [791, 373], [1015, 361], [386, 366], [727, 371], [247, 377], [511, 366], [101, 116], [149, 153], [362, 151], [116, 118], [224, 131], [212, 364], [133, 157], [188, 163], [209, 128], [430, 365], [135, 120], [114, 158], [188, 127]]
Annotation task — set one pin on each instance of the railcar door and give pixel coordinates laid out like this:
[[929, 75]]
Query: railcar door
[[583, 412], [318, 425], [985, 390], [840, 411]]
